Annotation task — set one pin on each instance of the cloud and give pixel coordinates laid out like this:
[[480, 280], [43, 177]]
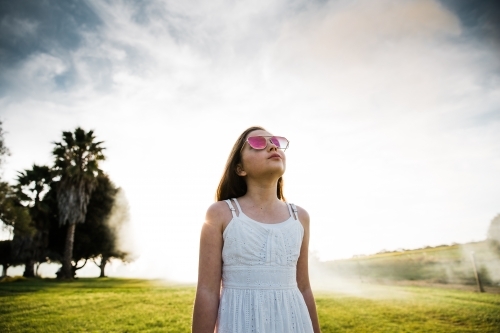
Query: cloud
[[391, 108], [30, 28], [481, 18]]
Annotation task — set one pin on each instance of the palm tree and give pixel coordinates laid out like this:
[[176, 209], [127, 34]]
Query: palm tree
[[31, 184], [77, 163]]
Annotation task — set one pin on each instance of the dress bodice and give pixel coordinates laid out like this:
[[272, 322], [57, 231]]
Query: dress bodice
[[251, 243], [260, 255]]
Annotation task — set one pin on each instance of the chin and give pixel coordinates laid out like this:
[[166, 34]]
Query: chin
[[279, 172]]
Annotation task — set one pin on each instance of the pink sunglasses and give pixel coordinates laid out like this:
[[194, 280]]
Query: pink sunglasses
[[260, 142]]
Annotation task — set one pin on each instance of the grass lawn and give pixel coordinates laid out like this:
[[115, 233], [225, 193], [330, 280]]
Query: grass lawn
[[126, 305]]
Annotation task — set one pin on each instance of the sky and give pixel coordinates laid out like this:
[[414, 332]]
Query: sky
[[392, 109]]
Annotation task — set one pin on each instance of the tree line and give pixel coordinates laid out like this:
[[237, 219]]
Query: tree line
[[69, 213]]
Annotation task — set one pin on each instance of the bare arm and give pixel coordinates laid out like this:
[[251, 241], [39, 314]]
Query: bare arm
[[303, 272], [206, 303]]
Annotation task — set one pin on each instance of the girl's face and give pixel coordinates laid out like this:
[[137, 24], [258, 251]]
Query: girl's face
[[266, 162]]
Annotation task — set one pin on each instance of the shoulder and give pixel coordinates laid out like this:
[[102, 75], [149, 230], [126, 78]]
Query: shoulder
[[218, 214]]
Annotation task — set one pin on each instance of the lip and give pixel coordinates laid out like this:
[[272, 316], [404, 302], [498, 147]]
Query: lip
[[275, 155]]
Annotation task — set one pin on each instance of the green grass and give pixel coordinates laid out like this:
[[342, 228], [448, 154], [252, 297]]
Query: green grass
[[410, 309], [94, 305], [125, 305]]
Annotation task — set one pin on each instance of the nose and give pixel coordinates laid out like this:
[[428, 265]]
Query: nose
[[271, 145]]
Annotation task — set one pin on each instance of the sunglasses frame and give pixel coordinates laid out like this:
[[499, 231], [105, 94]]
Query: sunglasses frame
[[267, 141]]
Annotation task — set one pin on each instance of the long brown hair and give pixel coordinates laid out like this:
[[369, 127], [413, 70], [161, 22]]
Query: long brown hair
[[231, 184]]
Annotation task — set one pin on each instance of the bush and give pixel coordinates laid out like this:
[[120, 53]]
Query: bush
[[13, 279]]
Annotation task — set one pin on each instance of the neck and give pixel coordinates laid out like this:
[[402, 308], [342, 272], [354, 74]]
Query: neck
[[262, 193]]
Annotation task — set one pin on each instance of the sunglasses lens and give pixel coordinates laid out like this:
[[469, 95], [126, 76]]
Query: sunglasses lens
[[260, 142], [257, 142], [279, 141]]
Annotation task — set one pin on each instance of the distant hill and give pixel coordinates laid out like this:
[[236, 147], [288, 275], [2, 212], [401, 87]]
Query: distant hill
[[442, 264]]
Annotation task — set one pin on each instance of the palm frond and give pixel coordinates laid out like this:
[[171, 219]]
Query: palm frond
[[76, 162]]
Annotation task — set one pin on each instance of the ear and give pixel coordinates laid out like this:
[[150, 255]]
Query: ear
[[239, 171]]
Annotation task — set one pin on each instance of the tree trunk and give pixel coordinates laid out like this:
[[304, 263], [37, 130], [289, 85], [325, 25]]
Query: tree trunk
[[4, 270], [104, 261], [29, 268], [67, 271]]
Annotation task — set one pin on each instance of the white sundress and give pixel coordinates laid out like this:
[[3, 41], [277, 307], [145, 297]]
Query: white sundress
[[259, 285]]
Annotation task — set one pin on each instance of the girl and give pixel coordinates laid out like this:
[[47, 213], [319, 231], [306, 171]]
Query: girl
[[255, 244]]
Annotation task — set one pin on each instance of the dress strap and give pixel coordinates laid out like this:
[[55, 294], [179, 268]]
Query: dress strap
[[289, 209], [231, 207], [237, 205], [294, 208]]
